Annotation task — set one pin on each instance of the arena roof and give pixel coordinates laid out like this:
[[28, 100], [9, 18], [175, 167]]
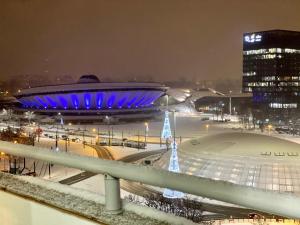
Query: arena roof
[[248, 159], [90, 94]]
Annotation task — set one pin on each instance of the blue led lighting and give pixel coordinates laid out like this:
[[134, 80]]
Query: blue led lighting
[[137, 101], [110, 101], [138, 104], [52, 103], [100, 98], [131, 101], [63, 102], [42, 103], [121, 102], [146, 99], [87, 100], [75, 101], [92, 100], [34, 104]]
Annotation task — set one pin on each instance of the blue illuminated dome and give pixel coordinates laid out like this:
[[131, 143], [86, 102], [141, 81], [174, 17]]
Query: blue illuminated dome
[[89, 94]]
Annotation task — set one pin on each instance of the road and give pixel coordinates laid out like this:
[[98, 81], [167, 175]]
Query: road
[[102, 153], [77, 178]]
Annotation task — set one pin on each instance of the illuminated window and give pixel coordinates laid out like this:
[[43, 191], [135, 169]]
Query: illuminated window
[[250, 74], [253, 38], [270, 50], [283, 105]]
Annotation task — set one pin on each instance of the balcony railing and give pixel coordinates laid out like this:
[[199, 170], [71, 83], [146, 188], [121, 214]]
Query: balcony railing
[[282, 204]]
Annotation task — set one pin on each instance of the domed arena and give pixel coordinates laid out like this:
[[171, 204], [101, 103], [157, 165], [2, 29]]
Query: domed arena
[[248, 159], [90, 97]]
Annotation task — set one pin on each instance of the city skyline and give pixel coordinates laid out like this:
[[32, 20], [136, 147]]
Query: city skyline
[[160, 40]]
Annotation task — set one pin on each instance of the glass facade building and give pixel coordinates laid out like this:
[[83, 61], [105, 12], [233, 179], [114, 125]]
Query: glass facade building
[[271, 71]]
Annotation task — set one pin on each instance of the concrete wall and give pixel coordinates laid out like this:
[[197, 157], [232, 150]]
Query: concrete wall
[[15, 210]]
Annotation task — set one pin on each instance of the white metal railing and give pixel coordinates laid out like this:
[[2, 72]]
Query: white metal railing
[[283, 204]]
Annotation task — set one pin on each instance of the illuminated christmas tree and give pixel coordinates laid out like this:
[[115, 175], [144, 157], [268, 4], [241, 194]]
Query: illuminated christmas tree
[[173, 167], [166, 132]]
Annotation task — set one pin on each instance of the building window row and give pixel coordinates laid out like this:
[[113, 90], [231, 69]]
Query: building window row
[[275, 78], [270, 50], [275, 105], [251, 73], [273, 84]]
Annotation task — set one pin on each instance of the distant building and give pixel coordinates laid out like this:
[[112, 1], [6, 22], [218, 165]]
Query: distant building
[[271, 71]]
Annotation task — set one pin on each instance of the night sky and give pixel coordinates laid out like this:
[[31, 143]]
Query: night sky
[[162, 39]]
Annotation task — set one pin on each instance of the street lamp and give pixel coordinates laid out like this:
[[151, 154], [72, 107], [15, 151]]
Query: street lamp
[[269, 128], [3, 157], [207, 126], [56, 139], [146, 132], [230, 102], [174, 118], [94, 131], [83, 139]]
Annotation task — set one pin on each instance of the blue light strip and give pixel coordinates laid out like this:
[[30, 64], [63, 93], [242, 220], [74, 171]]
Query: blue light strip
[[87, 100], [146, 99], [52, 103], [100, 98], [63, 102], [75, 101], [122, 102], [137, 104], [42, 103], [93, 100], [110, 101], [131, 101]]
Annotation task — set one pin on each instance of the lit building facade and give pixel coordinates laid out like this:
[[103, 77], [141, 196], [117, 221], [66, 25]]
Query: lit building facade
[[271, 71]]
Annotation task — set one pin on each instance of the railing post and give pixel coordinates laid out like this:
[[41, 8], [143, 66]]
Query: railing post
[[113, 203]]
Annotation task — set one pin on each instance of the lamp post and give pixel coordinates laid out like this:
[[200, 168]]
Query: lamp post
[[56, 133], [66, 144], [56, 139], [83, 139], [207, 126], [94, 131], [174, 117], [69, 132], [138, 140], [3, 157], [66, 138], [112, 133], [108, 129], [146, 132], [39, 132], [98, 134], [230, 102], [123, 138], [269, 129]]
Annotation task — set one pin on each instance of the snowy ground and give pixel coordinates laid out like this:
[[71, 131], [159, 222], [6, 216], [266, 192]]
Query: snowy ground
[[186, 128]]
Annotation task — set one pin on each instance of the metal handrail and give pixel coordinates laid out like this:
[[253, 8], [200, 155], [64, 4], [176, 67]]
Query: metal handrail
[[282, 204]]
